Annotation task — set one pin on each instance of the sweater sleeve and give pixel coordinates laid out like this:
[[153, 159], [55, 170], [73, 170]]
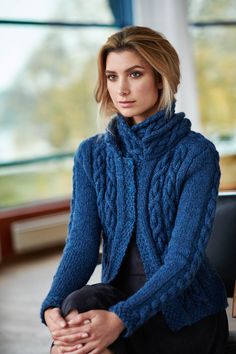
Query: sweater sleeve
[[81, 251], [189, 237]]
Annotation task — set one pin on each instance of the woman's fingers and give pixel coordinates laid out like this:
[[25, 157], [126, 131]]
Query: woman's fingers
[[87, 348], [74, 338], [71, 315], [69, 350], [81, 317], [54, 319], [79, 330]]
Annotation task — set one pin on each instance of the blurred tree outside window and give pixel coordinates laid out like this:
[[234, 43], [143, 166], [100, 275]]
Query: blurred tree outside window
[[215, 57], [47, 81]]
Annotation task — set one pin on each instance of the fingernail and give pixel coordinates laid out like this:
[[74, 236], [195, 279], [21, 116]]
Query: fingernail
[[62, 324], [86, 321], [79, 346], [84, 335]]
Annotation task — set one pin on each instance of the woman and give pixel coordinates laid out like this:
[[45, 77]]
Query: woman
[[148, 185]]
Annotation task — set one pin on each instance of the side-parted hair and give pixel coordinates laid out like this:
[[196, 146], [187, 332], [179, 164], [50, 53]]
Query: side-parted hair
[[155, 49]]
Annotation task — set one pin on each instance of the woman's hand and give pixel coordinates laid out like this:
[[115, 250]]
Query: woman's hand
[[104, 328], [55, 321]]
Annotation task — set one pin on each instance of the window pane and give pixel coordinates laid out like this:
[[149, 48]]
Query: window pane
[[19, 185], [46, 95], [57, 10], [47, 82], [215, 57], [205, 10]]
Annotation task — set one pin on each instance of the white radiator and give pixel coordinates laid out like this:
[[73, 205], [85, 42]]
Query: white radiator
[[39, 232]]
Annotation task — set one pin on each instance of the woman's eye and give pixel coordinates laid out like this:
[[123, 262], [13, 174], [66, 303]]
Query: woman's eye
[[111, 77], [135, 74]]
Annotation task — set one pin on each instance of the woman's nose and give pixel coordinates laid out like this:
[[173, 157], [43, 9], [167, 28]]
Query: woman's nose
[[123, 89]]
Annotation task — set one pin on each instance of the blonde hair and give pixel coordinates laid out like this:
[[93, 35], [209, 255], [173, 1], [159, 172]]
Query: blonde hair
[[155, 49]]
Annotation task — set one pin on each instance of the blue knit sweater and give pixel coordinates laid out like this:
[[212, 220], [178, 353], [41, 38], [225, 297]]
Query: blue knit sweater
[[160, 178]]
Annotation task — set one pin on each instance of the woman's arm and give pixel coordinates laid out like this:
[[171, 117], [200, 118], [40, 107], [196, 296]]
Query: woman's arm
[[193, 224], [81, 251]]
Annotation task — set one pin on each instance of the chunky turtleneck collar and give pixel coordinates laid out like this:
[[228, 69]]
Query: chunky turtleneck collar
[[148, 139]]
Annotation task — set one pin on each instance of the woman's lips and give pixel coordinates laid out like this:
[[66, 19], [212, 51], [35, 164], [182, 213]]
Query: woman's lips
[[126, 104]]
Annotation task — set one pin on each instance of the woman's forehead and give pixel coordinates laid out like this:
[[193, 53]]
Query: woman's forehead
[[125, 59]]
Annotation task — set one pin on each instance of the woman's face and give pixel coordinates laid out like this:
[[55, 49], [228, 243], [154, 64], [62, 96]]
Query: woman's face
[[132, 85]]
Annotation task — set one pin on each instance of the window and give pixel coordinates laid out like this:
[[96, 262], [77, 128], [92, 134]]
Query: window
[[48, 76], [214, 34]]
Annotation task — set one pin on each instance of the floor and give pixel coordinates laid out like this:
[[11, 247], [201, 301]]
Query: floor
[[23, 286]]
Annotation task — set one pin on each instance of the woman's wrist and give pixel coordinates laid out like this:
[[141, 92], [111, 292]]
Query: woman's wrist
[[120, 324], [48, 311], [46, 314]]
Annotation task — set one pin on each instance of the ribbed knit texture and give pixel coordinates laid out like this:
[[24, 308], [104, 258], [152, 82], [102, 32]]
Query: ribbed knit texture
[[160, 179]]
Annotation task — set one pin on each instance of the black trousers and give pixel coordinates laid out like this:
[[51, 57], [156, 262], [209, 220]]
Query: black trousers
[[208, 336]]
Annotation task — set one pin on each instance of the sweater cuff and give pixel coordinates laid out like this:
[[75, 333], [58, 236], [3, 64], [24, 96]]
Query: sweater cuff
[[130, 319]]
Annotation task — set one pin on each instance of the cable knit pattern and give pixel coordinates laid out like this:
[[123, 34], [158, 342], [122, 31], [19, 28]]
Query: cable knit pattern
[[160, 180]]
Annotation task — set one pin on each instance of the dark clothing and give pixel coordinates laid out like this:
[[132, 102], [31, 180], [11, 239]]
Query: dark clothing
[[131, 276], [207, 336]]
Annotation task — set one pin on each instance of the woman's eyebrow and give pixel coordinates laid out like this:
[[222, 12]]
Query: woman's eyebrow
[[129, 69]]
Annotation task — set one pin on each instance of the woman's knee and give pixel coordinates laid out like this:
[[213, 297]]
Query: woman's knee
[[74, 301], [91, 297]]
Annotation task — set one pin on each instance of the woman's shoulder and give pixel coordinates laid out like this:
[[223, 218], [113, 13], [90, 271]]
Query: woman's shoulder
[[90, 146], [196, 150], [196, 143], [87, 154]]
